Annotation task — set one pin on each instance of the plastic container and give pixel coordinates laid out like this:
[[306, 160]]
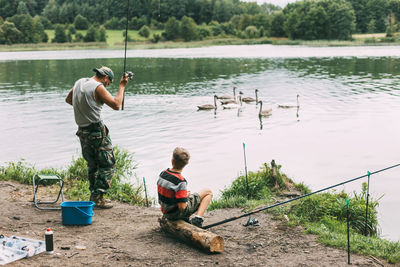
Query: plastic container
[[77, 212]]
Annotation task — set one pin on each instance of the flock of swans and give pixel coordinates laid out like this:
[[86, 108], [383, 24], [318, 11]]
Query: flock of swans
[[233, 101]]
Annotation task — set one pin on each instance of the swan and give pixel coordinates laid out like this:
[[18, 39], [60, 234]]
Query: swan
[[264, 113], [233, 105], [290, 105], [250, 99], [228, 96], [209, 106]]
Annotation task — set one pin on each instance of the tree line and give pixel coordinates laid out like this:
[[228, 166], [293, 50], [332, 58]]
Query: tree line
[[24, 21]]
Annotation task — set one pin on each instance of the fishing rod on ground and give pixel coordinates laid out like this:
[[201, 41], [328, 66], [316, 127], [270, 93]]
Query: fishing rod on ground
[[129, 74], [296, 198]]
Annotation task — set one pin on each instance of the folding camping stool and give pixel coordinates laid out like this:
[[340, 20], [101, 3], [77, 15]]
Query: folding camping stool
[[37, 179]]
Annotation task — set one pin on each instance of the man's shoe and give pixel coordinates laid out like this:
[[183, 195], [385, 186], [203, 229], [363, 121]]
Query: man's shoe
[[197, 221], [100, 202]]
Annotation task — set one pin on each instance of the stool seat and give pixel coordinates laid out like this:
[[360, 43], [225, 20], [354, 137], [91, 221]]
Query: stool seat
[[38, 179]]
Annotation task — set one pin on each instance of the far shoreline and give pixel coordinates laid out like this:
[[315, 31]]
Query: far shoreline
[[254, 51]]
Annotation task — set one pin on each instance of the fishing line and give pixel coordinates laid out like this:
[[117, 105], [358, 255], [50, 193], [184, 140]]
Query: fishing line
[[296, 198], [126, 44]]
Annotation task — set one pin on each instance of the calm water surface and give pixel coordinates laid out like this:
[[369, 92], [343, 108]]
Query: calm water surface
[[347, 123]]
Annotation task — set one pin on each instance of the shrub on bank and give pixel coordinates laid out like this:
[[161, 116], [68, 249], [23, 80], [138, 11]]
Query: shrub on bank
[[323, 214], [75, 178]]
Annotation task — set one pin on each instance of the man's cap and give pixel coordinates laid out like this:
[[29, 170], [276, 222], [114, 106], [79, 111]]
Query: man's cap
[[105, 71]]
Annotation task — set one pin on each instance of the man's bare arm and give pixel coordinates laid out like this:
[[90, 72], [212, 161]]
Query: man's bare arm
[[101, 94], [68, 99]]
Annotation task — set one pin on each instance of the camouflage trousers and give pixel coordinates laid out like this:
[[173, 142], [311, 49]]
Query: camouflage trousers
[[98, 152]]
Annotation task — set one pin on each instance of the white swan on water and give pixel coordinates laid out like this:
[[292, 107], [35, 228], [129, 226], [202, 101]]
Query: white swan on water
[[264, 113], [228, 96], [209, 106], [290, 105], [251, 99]]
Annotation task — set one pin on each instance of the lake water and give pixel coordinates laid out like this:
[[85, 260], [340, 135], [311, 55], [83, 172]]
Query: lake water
[[347, 123]]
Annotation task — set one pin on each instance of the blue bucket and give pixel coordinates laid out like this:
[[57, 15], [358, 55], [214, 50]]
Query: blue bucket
[[77, 212]]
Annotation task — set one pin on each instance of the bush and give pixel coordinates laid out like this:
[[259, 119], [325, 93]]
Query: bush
[[92, 35], [59, 34], [203, 32], [113, 24], [156, 38], [216, 28], [172, 27], [333, 205], [188, 29], [76, 184], [71, 29], [102, 34], [252, 32], [144, 31], [78, 37]]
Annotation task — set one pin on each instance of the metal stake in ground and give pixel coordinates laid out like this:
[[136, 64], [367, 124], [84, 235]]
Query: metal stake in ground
[[348, 231], [366, 208], [126, 44], [145, 191], [245, 170]]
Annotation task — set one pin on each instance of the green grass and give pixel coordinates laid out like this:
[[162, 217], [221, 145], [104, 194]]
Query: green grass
[[323, 214], [334, 233], [75, 178]]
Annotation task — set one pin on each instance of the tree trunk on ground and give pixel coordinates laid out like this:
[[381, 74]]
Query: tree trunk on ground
[[193, 235]]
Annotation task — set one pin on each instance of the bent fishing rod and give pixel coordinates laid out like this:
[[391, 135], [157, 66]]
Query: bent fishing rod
[[129, 73], [296, 198]]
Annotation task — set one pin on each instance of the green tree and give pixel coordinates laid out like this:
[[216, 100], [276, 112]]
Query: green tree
[[22, 9], [59, 34], [91, 35], [172, 29], [81, 23], [245, 21], [102, 34], [341, 19], [223, 11], [24, 23], [144, 31], [9, 34], [378, 11], [39, 35], [51, 11], [188, 29], [277, 22]]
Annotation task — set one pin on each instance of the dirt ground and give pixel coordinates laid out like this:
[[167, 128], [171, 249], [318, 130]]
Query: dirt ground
[[130, 236]]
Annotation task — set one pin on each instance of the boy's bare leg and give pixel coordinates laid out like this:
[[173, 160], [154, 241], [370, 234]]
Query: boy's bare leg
[[206, 196]]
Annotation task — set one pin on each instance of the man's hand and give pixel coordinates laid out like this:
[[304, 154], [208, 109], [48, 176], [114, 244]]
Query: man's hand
[[124, 80]]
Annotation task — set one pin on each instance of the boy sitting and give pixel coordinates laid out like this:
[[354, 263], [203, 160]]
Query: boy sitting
[[175, 201]]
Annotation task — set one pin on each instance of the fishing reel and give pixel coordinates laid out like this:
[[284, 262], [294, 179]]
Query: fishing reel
[[129, 75], [252, 222]]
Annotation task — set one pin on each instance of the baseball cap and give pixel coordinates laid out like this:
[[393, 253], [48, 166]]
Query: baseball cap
[[105, 71]]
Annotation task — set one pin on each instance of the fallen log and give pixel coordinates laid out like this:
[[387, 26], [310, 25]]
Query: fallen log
[[193, 235]]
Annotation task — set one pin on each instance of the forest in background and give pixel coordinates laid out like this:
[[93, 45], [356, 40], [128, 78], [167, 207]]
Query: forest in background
[[25, 21]]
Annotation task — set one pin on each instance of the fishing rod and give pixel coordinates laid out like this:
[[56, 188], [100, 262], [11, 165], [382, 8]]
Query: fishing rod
[[126, 44], [296, 198]]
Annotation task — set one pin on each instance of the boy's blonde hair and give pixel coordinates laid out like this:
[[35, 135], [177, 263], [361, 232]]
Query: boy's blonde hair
[[181, 157]]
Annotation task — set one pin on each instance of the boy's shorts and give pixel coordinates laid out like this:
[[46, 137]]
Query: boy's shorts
[[193, 204]]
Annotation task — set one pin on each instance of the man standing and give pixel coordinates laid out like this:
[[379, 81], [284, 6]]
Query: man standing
[[87, 98]]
